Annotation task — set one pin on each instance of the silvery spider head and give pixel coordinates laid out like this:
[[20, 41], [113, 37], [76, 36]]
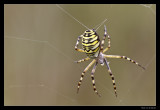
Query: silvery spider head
[[101, 58]]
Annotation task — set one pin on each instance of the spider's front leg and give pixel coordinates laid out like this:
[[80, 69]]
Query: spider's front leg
[[82, 75], [93, 81], [111, 75]]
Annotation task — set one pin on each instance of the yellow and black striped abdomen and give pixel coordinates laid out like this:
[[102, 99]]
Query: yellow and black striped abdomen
[[91, 43]]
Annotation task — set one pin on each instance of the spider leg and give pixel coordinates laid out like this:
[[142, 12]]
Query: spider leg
[[82, 75], [82, 60], [76, 46], [93, 81], [102, 42], [124, 57], [110, 73]]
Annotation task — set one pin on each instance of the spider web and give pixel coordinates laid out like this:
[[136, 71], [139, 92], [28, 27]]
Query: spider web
[[39, 55]]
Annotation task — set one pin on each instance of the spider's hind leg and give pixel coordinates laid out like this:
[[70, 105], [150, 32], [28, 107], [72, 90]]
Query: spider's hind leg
[[109, 40], [77, 43]]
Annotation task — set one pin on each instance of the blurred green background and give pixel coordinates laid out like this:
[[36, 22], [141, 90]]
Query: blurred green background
[[39, 54]]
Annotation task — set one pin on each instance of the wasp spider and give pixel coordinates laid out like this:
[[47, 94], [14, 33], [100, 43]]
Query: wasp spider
[[94, 48]]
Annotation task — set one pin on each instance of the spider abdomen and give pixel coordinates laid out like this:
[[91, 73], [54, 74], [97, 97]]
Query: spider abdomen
[[91, 43]]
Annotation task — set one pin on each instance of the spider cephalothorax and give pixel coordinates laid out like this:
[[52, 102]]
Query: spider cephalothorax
[[93, 47]]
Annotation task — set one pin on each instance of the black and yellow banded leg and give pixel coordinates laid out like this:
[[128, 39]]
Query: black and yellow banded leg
[[111, 75], [76, 46], [82, 75], [124, 57], [82, 60], [102, 42], [109, 41], [93, 81]]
